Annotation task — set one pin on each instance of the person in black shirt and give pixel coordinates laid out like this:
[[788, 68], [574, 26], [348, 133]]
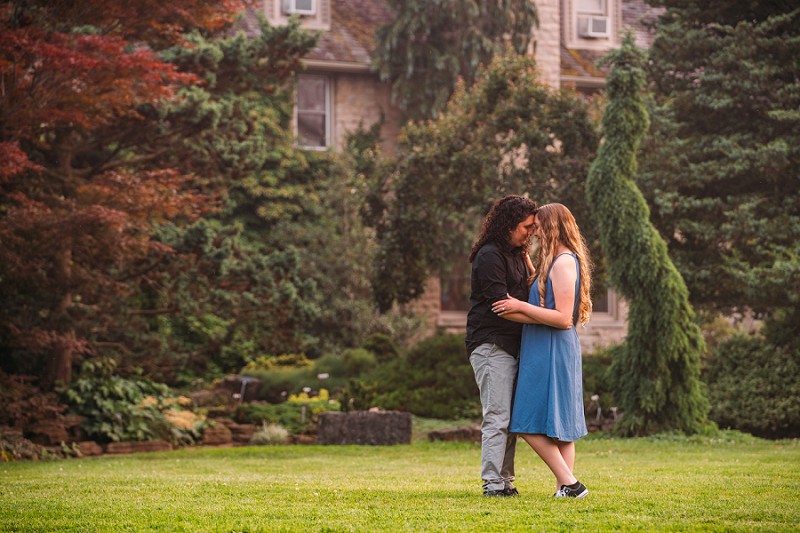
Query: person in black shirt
[[500, 267]]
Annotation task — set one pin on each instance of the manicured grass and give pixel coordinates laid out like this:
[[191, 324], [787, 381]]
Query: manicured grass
[[668, 484]]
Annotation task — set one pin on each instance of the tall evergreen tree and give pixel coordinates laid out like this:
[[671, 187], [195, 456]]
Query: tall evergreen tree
[[721, 168], [430, 44], [657, 370]]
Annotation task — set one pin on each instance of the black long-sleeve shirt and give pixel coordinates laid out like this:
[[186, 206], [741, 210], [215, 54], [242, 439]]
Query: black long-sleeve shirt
[[495, 273]]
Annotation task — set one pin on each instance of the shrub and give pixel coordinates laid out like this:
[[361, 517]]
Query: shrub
[[277, 384], [270, 434], [434, 380], [289, 414], [754, 386], [382, 346], [289, 374], [333, 365], [280, 375], [130, 409], [14, 447], [276, 362], [597, 381], [358, 361], [24, 404]]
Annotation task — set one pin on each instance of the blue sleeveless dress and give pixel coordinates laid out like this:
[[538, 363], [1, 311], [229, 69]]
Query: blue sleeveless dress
[[549, 396]]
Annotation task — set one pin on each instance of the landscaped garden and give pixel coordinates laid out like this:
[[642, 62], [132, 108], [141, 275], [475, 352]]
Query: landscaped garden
[[179, 275], [730, 482]]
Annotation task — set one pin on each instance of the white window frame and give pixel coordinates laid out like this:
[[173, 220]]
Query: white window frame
[[602, 11], [289, 7], [326, 112], [612, 11]]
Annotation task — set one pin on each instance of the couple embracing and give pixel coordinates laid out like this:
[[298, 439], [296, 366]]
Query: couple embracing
[[522, 341]]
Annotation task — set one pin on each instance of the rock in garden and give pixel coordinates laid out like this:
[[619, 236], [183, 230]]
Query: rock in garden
[[138, 446], [217, 435], [364, 427]]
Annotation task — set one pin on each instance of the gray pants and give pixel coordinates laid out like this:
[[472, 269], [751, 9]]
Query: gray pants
[[495, 373]]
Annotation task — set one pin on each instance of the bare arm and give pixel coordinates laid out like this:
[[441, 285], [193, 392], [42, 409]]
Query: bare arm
[[563, 277], [517, 316]]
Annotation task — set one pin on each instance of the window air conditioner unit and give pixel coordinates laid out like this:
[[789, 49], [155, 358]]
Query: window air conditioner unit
[[596, 27], [300, 7]]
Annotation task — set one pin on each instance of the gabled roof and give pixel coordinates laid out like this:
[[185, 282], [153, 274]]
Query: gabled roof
[[350, 40], [352, 35], [581, 63]]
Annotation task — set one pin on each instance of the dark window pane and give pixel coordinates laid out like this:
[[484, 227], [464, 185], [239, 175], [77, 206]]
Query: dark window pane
[[600, 303], [311, 129], [456, 287], [312, 124], [311, 93]]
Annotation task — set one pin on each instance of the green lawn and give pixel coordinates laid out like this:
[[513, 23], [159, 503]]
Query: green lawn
[[636, 485]]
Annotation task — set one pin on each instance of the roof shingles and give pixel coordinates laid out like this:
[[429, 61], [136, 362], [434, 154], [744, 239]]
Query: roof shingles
[[352, 34]]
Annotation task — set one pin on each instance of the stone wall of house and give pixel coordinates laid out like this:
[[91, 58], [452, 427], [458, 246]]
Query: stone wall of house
[[603, 330], [361, 100], [547, 37]]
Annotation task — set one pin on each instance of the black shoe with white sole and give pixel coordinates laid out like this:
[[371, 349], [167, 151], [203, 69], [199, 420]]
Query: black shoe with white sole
[[576, 490]]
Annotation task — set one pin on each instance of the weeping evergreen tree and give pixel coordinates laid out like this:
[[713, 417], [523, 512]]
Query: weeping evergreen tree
[[656, 372]]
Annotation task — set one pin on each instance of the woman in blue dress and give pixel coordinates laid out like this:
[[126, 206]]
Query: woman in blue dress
[[548, 402]]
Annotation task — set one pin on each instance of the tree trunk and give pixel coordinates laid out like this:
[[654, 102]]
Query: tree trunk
[[59, 369]]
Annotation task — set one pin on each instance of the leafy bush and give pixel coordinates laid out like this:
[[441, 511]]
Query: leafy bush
[[382, 346], [281, 375], [358, 361], [24, 404], [754, 386], [333, 365], [277, 362], [127, 409], [434, 380], [289, 414], [596, 380], [14, 447]]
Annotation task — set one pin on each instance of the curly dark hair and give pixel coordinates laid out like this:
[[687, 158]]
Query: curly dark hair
[[505, 215]]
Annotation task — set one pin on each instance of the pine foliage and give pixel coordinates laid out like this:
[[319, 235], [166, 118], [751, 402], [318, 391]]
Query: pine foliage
[[721, 166], [430, 44], [656, 371]]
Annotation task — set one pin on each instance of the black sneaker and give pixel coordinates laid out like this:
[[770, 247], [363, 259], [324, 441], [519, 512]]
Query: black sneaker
[[576, 490], [496, 493], [511, 491]]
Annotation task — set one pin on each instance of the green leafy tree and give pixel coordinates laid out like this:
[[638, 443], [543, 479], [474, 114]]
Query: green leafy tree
[[656, 372], [229, 294], [430, 44], [720, 168], [508, 133], [284, 263]]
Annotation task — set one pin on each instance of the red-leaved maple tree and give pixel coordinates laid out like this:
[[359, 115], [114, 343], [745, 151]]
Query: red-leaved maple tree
[[81, 83]]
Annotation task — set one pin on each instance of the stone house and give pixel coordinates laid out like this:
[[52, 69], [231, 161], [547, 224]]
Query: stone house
[[337, 92]]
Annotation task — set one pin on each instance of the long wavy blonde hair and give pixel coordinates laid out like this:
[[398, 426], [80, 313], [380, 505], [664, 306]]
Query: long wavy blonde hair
[[559, 227]]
